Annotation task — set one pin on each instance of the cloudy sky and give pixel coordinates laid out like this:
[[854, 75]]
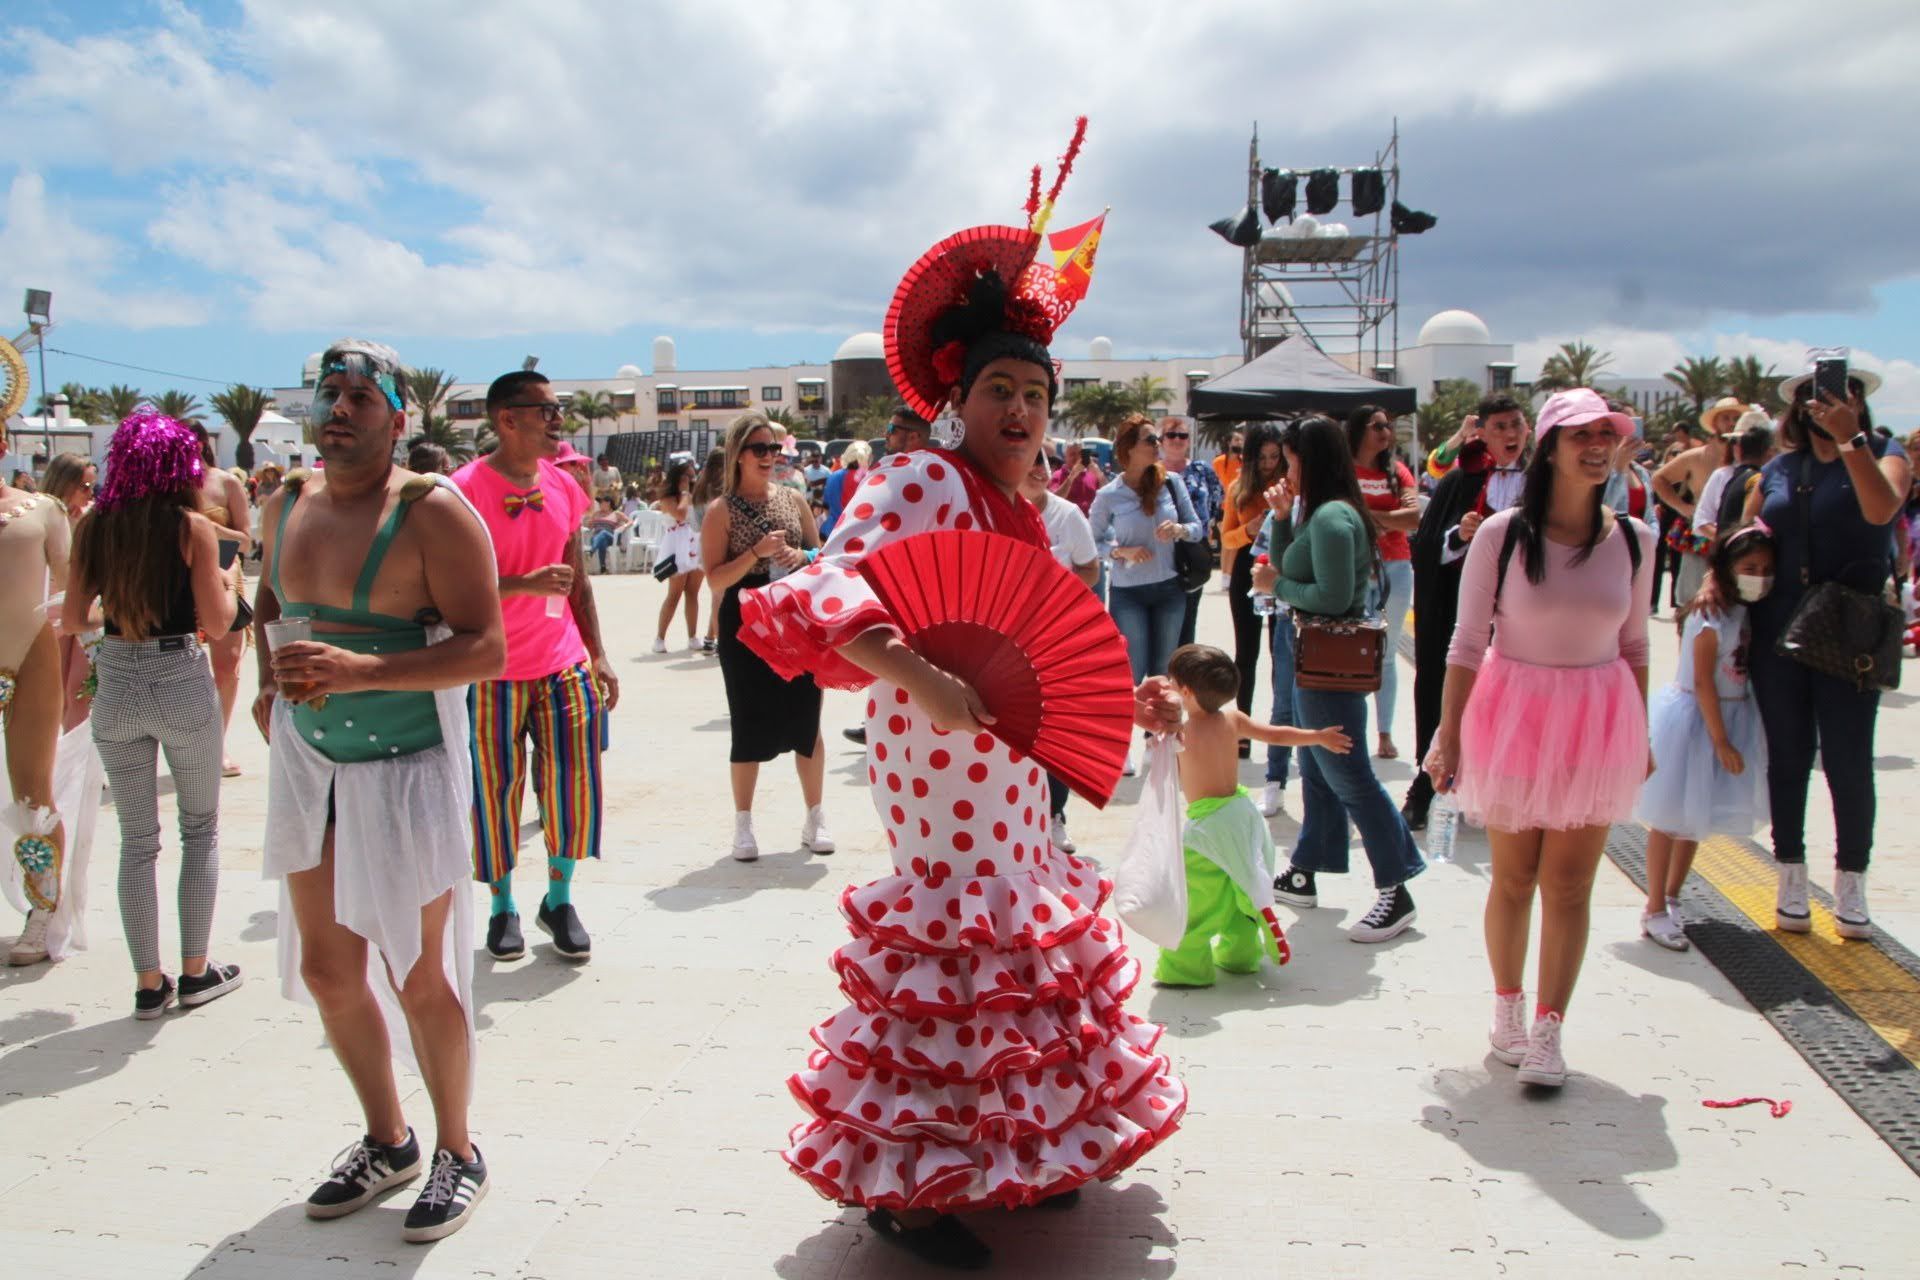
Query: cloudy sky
[[217, 189]]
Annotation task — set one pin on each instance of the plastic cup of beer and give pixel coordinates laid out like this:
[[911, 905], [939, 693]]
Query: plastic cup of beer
[[285, 631]]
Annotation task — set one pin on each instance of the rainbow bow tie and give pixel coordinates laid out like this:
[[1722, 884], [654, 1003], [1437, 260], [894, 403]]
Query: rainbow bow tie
[[517, 502]]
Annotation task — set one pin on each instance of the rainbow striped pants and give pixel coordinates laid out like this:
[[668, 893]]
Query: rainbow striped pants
[[561, 713]]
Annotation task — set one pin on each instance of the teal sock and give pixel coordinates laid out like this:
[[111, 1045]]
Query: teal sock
[[560, 881], [502, 894]]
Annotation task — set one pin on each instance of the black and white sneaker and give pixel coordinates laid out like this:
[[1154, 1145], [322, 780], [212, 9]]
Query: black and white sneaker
[[563, 925], [363, 1171], [1295, 888], [858, 735], [215, 981], [152, 1002], [453, 1187], [1392, 912], [504, 939]]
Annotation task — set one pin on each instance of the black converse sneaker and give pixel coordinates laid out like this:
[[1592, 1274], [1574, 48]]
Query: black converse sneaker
[[1392, 912], [1295, 888], [504, 939], [209, 985], [453, 1188], [363, 1171], [562, 924], [152, 1002]]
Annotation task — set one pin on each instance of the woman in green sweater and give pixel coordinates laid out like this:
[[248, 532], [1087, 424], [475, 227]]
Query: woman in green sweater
[[1322, 554]]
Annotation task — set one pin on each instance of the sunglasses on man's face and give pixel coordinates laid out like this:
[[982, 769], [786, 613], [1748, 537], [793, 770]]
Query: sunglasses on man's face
[[762, 449], [548, 411]]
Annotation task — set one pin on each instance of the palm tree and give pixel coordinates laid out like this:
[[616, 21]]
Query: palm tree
[[457, 443], [181, 406], [243, 407], [1098, 408], [785, 417], [1754, 383], [1441, 415], [118, 401], [869, 418], [427, 388], [1149, 391], [589, 407], [1700, 379], [1575, 364]]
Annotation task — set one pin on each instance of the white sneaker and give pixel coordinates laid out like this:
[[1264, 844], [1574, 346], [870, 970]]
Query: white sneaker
[[745, 848], [814, 835], [1127, 770], [1665, 929], [1509, 1033], [1543, 1064], [693, 644], [1061, 840], [1678, 913], [1270, 800], [1850, 919], [31, 946], [659, 644], [1791, 913]]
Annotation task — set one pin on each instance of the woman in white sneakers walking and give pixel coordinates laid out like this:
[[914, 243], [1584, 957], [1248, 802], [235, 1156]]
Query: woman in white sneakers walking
[[1544, 735]]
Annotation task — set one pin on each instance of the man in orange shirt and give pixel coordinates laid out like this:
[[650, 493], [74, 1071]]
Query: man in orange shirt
[[1226, 465]]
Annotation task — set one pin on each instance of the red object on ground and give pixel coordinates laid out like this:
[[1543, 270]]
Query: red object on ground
[[1029, 637], [1779, 1109]]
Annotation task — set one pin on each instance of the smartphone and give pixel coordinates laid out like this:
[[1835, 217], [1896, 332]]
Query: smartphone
[[1830, 378]]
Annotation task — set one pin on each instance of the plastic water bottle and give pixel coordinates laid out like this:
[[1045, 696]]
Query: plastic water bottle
[[1262, 601], [1442, 821]]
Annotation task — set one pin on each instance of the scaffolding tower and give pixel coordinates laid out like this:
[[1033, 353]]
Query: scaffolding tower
[[1342, 293]]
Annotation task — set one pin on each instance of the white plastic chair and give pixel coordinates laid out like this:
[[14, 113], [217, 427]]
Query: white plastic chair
[[643, 540]]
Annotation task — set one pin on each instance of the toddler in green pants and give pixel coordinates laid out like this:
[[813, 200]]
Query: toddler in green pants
[[1231, 923]]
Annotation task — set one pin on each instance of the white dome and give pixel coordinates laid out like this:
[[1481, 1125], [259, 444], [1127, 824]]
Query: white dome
[[1455, 329], [629, 371], [862, 346], [1100, 349]]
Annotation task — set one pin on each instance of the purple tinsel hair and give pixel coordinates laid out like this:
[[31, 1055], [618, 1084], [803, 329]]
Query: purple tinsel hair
[[150, 453]]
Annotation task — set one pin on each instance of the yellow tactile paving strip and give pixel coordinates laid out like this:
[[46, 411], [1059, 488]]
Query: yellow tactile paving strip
[[1884, 995]]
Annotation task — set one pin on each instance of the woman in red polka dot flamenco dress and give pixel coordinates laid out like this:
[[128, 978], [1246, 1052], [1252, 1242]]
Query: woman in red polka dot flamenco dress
[[986, 1058]]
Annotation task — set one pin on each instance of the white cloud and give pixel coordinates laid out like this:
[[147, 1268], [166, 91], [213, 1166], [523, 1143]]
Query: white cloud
[[47, 249], [479, 168]]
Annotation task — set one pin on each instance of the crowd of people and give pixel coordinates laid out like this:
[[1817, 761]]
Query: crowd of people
[[427, 638]]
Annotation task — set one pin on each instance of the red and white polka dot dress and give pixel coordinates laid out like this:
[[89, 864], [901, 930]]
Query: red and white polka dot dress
[[986, 1057]]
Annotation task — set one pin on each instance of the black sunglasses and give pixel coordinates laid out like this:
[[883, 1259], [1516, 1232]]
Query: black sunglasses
[[761, 449], [549, 411], [1147, 437], [1177, 435], [1234, 449]]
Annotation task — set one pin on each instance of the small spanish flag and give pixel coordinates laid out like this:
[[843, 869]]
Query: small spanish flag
[[1073, 253]]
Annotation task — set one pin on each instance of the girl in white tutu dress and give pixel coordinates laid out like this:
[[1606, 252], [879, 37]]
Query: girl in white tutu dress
[[1709, 748]]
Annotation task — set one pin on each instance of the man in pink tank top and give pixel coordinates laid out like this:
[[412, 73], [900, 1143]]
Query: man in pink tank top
[[557, 685]]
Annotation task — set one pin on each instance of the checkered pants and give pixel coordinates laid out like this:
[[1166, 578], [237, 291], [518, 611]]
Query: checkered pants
[[154, 698]]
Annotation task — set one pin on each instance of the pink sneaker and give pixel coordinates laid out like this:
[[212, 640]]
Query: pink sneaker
[[1543, 1064], [1509, 1034]]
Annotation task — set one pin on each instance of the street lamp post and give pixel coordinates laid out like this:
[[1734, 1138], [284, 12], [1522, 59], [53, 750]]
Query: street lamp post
[[39, 309]]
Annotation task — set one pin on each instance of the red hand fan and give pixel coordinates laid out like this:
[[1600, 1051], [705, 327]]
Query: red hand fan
[[1030, 638]]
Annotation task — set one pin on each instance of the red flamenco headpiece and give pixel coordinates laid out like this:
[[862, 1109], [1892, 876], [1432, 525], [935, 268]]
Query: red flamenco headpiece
[[980, 295]]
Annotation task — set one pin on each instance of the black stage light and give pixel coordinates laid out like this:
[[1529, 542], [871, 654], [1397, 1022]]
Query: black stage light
[[1369, 192], [1243, 229], [1278, 188], [1323, 191], [1411, 222]]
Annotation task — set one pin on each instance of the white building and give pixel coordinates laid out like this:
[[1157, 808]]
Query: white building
[[1453, 344]]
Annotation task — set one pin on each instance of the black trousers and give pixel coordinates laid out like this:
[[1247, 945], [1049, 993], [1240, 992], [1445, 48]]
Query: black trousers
[[1805, 711], [1249, 638], [1190, 625], [1431, 637]]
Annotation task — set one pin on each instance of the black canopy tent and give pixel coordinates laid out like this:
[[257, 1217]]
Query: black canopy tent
[[1295, 377]]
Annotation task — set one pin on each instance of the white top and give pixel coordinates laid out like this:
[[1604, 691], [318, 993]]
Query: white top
[[1706, 510], [1730, 669], [1068, 531]]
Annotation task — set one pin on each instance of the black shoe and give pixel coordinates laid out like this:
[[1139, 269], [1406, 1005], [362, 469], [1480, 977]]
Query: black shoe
[[363, 1171], [446, 1202], [1295, 888], [564, 927], [148, 1005], [208, 986], [855, 735], [944, 1242], [1416, 818], [1391, 913], [504, 941]]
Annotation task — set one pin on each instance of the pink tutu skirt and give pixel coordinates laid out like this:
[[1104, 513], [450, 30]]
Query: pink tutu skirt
[[1551, 748]]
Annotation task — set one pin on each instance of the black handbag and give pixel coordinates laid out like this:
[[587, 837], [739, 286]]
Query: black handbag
[[1850, 635], [664, 569], [1192, 561]]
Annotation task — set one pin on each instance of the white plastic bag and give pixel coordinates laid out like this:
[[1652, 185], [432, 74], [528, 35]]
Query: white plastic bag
[[1150, 884]]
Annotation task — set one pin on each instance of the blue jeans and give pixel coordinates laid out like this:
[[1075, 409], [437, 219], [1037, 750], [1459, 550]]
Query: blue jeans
[[1342, 788], [1282, 649], [1394, 607], [602, 539], [1803, 709], [1149, 617]]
